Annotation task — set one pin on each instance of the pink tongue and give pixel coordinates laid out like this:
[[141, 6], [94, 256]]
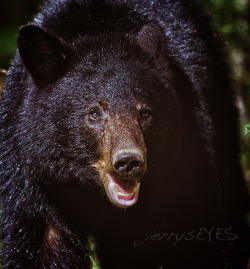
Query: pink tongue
[[126, 188]]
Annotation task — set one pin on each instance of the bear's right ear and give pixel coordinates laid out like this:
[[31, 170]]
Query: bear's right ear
[[151, 39], [45, 56]]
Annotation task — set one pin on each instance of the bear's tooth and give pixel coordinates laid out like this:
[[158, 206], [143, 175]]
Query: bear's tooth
[[136, 188], [115, 188], [125, 194]]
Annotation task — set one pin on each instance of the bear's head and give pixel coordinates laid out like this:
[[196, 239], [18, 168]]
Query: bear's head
[[101, 109]]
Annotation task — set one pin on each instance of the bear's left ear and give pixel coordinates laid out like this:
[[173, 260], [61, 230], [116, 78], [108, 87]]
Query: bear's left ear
[[151, 39], [45, 56]]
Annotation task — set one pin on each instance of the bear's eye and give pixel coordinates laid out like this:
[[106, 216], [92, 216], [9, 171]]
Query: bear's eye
[[94, 115]]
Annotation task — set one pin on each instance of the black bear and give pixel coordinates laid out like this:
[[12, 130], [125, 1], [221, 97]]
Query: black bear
[[118, 127]]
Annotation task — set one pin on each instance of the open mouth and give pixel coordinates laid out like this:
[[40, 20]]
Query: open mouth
[[122, 195]]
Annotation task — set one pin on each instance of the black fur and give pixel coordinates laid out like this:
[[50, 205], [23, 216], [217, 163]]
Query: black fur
[[163, 53]]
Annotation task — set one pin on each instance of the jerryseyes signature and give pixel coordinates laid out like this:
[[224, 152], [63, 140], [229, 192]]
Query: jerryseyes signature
[[208, 234]]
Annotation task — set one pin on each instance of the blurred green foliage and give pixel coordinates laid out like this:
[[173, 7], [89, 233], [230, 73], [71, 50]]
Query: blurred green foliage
[[232, 19], [14, 13]]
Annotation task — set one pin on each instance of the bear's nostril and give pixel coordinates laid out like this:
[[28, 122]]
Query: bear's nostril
[[132, 165], [126, 163], [120, 165]]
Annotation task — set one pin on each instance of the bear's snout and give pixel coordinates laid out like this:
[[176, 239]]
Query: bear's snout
[[128, 164]]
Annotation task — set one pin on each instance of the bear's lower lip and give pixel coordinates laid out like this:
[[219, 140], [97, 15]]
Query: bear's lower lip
[[120, 196]]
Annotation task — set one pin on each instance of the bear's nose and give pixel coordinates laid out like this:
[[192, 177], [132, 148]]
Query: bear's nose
[[128, 164]]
